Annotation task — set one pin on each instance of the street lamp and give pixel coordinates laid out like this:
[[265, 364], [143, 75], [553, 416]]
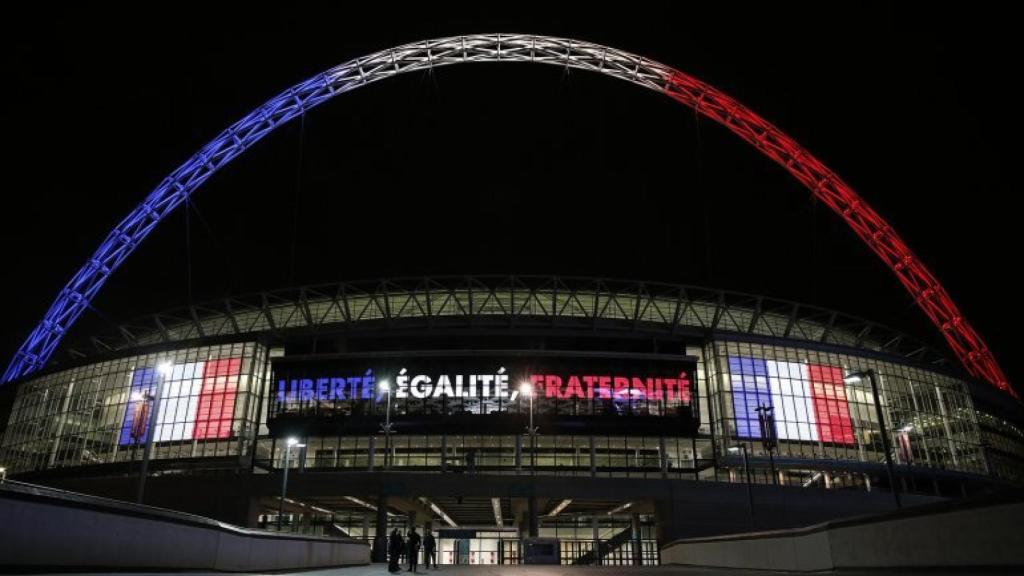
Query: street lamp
[[164, 371], [853, 378], [385, 387], [769, 437], [526, 389], [742, 448], [3, 474], [284, 481]]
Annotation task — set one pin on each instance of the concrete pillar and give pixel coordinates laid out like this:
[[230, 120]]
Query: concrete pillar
[[252, 513], [531, 511], [411, 515], [637, 550], [666, 529], [379, 553], [597, 541]]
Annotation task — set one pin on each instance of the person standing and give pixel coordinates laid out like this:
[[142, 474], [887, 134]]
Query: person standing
[[429, 549], [395, 546], [414, 549]]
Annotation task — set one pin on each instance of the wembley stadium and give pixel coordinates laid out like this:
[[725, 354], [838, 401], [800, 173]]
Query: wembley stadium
[[597, 418], [646, 399]]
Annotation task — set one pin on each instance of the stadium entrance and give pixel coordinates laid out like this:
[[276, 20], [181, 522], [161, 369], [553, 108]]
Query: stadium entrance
[[481, 530]]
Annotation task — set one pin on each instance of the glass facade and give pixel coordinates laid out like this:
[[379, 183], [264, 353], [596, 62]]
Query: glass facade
[[223, 407], [929, 417], [215, 401], [206, 401], [559, 455], [1003, 443]]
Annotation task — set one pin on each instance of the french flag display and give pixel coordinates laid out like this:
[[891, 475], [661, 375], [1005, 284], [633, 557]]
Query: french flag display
[[809, 400], [197, 403]]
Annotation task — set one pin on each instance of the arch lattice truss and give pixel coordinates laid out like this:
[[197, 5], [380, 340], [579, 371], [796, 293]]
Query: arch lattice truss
[[932, 298]]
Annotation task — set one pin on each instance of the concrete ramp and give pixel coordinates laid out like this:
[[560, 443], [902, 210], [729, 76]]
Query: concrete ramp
[[46, 529], [960, 535]]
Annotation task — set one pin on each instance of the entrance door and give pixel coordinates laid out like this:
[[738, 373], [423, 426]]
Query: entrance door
[[509, 552], [462, 551]]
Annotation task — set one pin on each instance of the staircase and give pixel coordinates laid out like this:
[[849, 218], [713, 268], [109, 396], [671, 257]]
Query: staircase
[[605, 547]]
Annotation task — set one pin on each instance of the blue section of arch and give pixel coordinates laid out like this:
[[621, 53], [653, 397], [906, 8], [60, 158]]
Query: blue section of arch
[[74, 298]]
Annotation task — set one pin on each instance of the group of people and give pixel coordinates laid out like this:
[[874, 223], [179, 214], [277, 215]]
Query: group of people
[[410, 547]]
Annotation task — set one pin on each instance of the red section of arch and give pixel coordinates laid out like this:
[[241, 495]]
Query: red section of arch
[[826, 186]]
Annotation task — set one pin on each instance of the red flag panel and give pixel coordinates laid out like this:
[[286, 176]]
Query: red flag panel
[[831, 405], [217, 399]]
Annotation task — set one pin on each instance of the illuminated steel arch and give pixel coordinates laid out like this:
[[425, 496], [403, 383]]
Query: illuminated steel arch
[[929, 295]]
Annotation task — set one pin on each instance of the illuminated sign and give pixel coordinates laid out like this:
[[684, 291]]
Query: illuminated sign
[[483, 384], [408, 384], [328, 389], [607, 386]]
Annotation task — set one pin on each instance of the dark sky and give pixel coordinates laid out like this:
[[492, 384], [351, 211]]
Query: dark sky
[[516, 168]]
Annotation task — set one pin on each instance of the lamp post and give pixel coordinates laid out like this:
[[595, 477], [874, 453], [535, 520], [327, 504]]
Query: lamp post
[[385, 387], [284, 480], [769, 437], [742, 448], [3, 474], [526, 389], [855, 377], [164, 371]]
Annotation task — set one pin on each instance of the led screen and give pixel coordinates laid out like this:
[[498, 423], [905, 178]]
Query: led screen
[[808, 400], [197, 402]]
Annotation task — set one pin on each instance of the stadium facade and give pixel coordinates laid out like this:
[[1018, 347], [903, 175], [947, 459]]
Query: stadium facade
[[638, 388]]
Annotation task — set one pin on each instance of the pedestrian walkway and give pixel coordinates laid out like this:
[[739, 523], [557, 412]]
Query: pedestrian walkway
[[499, 570]]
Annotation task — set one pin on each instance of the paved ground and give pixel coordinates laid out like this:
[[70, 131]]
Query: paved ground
[[381, 570]]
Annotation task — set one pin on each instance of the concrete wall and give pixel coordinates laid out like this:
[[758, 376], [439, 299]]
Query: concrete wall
[[929, 537], [43, 529], [698, 509]]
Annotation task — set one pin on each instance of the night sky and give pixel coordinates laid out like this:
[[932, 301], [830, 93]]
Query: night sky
[[513, 168]]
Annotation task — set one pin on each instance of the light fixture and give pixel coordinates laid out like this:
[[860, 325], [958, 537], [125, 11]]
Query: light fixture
[[165, 368], [437, 510], [294, 442], [558, 509], [853, 377], [526, 388], [619, 509], [384, 386], [496, 508]]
